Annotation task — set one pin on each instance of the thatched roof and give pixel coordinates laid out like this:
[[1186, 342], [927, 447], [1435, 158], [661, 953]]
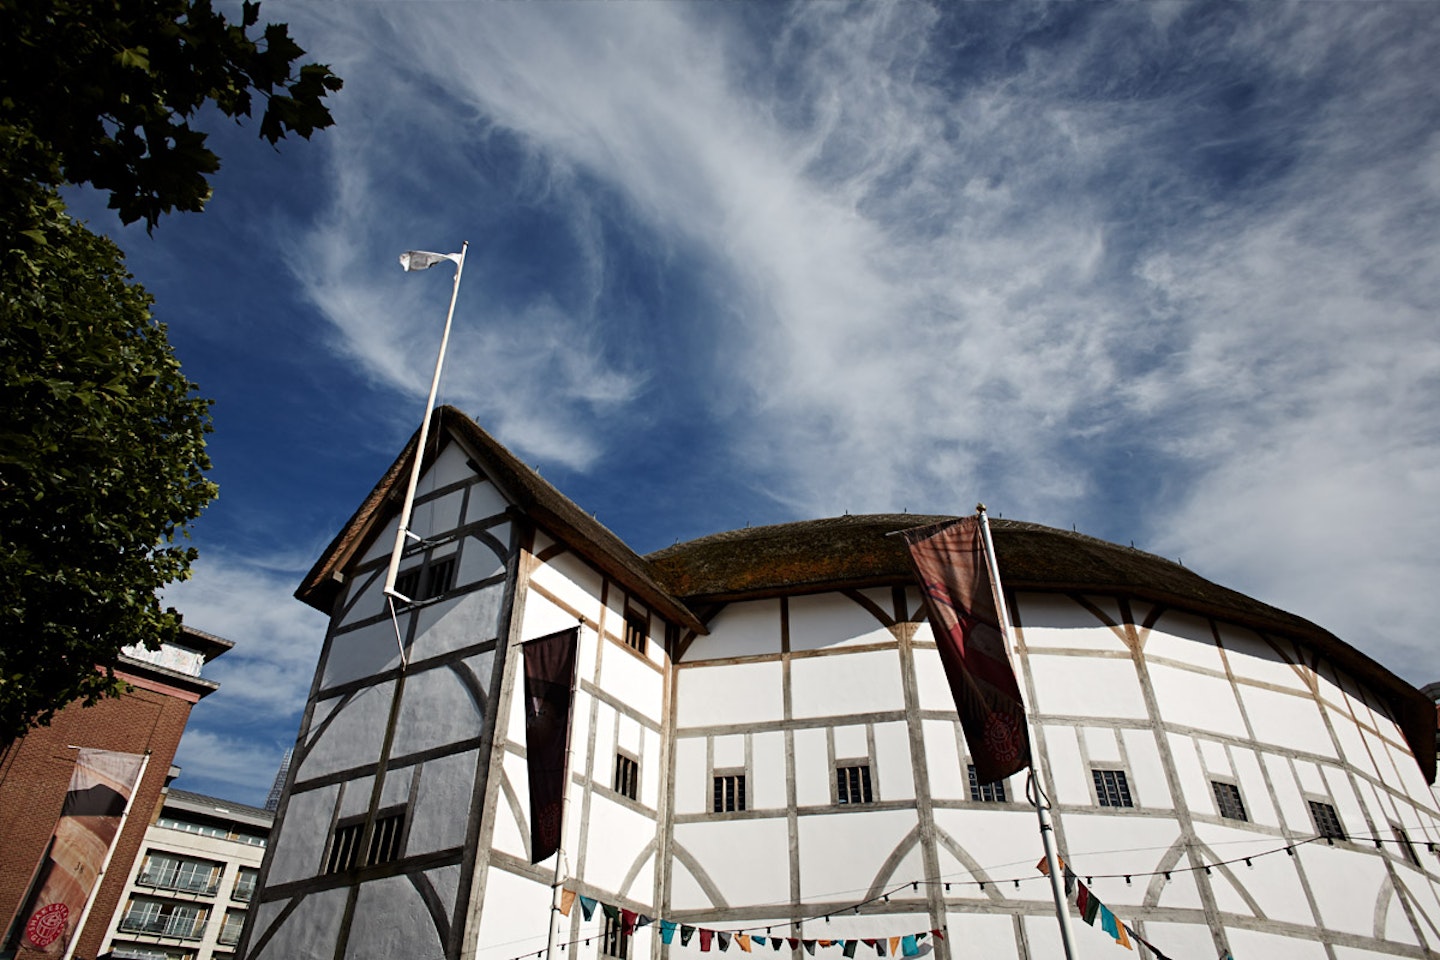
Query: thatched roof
[[541, 502], [856, 551]]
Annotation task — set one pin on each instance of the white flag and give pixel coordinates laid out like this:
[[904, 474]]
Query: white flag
[[423, 260]]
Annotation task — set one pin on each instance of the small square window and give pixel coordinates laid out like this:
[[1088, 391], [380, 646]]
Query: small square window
[[627, 776], [614, 941], [1112, 789], [852, 784], [1327, 822], [439, 577], [730, 793], [1227, 800], [637, 630], [986, 792]]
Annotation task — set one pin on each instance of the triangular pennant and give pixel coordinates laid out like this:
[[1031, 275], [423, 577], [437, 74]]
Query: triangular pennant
[[587, 907], [778, 943], [743, 941], [642, 921], [667, 931], [939, 934], [567, 900], [794, 942], [1107, 922], [705, 937], [850, 946], [1123, 938], [611, 912], [809, 946], [1091, 909], [724, 940], [686, 932], [759, 939], [627, 921]]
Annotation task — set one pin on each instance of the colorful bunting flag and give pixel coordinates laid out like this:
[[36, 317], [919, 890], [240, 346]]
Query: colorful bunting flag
[[909, 946], [1091, 909], [850, 946], [667, 930], [1107, 922], [705, 937], [894, 946], [642, 921], [743, 942], [567, 900], [758, 939], [809, 946], [627, 921], [612, 912], [939, 934], [724, 938], [587, 907], [686, 932], [778, 943]]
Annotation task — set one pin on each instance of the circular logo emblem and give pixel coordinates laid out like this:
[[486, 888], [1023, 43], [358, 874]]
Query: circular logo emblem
[[48, 923], [1002, 735]]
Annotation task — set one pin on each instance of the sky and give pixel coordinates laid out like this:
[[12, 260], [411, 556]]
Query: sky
[[1168, 273]]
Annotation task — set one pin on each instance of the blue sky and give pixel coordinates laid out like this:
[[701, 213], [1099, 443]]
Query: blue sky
[[1168, 272]]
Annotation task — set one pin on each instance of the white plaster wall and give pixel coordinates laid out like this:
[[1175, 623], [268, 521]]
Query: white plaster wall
[[543, 617], [572, 581], [895, 778], [485, 501], [828, 620], [633, 680], [436, 709], [981, 935], [744, 693], [1067, 686], [1287, 720], [310, 931], [442, 803], [361, 653], [391, 921], [300, 842], [841, 853], [740, 630], [947, 769], [691, 788], [931, 687], [1189, 699], [812, 768], [768, 752], [455, 623], [1251, 658], [516, 916], [438, 515], [354, 736], [744, 858], [838, 684], [617, 838]]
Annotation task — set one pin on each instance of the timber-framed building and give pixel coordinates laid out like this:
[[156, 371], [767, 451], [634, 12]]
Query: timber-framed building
[[763, 740]]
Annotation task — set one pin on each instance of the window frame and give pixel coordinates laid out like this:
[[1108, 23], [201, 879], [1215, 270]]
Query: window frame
[[729, 795], [1231, 793], [854, 785], [1122, 797], [637, 630], [997, 790], [1319, 809], [627, 774]]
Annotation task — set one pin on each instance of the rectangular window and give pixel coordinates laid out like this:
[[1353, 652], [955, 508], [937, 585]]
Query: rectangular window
[[162, 918], [1327, 822], [986, 792], [170, 872], [730, 793], [1227, 800], [120, 950], [627, 776], [439, 577], [852, 784], [245, 884], [1406, 846], [614, 941], [385, 838], [637, 630], [345, 847], [230, 929], [1112, 789]]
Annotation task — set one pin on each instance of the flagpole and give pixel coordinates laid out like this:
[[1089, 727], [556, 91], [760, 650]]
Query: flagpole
[[408, 506], [1042, 809]]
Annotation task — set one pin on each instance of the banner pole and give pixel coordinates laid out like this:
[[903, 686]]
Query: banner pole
[[1041, 801]]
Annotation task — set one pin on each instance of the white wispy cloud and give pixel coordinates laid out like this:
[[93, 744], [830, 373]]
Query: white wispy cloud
[[951, 252]]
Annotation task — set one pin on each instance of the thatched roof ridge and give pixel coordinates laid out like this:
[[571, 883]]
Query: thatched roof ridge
[[549, 508], [855, 551]]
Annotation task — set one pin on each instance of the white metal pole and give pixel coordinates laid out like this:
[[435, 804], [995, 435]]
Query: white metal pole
[[404, 528], [105, 864], [1042, 809]]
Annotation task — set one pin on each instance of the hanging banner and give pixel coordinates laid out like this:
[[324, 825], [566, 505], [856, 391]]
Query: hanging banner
[[549, 677], [949, 560], [99, 793]]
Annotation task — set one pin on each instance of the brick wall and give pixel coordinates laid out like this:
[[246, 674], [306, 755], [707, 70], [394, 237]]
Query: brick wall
[[35, 772]]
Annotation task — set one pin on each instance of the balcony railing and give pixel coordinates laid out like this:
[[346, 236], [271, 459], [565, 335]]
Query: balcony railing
[[161, 881], [243, 891], [183, 928]]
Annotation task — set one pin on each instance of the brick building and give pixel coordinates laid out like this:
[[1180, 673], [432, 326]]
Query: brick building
[[35, 773]]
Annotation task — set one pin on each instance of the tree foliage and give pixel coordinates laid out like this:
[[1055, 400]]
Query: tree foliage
[[105, 92], [102, 439], [102, 461]]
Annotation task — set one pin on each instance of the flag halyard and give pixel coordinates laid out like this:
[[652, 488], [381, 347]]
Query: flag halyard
[[949, 560]]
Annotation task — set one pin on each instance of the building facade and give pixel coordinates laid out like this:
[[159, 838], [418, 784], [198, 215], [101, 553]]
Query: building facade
[[35, 774], [189, 890], [763, 744]]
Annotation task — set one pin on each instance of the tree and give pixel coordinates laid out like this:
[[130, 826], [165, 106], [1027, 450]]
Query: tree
[[104, 91], [102, 464], [102, 439]]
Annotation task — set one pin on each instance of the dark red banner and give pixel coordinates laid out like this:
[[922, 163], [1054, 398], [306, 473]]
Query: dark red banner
[[549, 679], [949, 560]]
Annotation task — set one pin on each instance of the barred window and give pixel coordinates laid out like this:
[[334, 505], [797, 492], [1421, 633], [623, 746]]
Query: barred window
[[986, 792], [627, 776], [614, 941], [1327, 821], [345, 846], [385, 838], [407, 584], [1112, 789], [637, 630], [1227, 800], [852, 784], [1406, 846], [730, 793], [439, 577]]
